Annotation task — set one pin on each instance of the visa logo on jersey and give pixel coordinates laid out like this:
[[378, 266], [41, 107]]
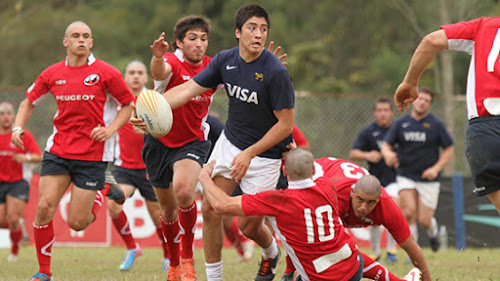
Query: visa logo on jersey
[[242, 94], [91, 80]]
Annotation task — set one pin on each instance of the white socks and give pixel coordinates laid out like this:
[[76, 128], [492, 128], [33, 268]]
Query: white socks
[[214, 271], [375, 234], [414, 230], [271, 251], [433, 231]]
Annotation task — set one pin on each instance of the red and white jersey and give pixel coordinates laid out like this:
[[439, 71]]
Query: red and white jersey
[[306, 218], [86, 97], [189, 120], [344, 175], [128, 147], [481, 39], [11, 170]]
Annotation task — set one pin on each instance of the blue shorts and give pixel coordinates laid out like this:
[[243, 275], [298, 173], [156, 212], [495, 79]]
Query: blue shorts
[[160, 159], [482, 148], [137, 179], [84, 174], [19, 189]]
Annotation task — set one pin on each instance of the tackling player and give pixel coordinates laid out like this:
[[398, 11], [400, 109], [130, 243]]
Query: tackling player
[[15, 177], [479, 38], [87, 91]]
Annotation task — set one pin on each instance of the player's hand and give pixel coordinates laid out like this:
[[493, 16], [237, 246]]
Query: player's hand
[[240, 165], [138, 124], [405, 94], [206, 171], [430, 173], [20, 158], [16, 139], [277, 52], [374, 156], [101, 133], [160, 46], [391, 159]]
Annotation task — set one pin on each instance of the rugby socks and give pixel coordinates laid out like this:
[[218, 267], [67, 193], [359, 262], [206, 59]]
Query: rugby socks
[[214, 271], [414, 231], [272, 251], [159, 232], [171, 231], [375, 271], [121, 224], [15, 237], [391, 243], [234, 234], [289, 265], [44, 239], [433, 230], [187, 218], [375, 235], [99, 200]]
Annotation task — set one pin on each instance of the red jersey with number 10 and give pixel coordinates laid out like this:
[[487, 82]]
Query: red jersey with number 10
[[481, 39], [306, 218], [189, 120], [344, 175], [86, 98]]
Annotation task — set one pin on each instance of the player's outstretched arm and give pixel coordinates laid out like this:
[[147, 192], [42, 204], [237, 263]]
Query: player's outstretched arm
[[23, 115], [276, 52], [159, 69], [181, 94], [221, 202], [407, 91], [417, 257]]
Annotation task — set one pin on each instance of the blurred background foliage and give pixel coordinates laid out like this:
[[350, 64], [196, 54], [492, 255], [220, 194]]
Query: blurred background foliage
[[334, 46]]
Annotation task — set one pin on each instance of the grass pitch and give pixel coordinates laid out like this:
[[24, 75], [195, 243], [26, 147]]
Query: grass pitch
[[79, 264]]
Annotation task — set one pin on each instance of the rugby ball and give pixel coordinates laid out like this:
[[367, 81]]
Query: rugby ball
[[154, 109]]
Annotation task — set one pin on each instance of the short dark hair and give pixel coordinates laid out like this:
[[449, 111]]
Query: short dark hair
[[427, 91], [188, 23], [382, 100], [248, 11]]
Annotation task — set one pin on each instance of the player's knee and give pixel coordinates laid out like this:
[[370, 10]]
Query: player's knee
[[45, 210], [77, 224], [169, 213], [208, 212], [113, 208], [13, 220], [424, 222], [184, 194]]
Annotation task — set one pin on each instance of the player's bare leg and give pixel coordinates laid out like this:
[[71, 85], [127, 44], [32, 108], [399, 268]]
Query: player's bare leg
[[408, 204], [428, 222], [495, 199], [212, 233], [184, 182]]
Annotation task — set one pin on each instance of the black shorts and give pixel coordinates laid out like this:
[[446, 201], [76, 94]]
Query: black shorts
[[84, 174], [19, 189], [160, 159], [482, 149], [137, 179]]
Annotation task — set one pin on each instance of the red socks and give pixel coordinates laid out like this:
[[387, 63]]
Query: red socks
[[99, 200], [159, 232], [172, 232], [187, 218], [375, 271], [234, 235], [121, 224], [15, 237], [44, 239]]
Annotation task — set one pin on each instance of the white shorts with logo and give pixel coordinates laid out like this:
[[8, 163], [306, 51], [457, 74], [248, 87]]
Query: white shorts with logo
[[392, 189], [428, 192], [262, 174]]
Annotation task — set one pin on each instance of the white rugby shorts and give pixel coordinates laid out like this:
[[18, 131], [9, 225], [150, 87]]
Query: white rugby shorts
[[262, 174], [392, 189], [428, 192]]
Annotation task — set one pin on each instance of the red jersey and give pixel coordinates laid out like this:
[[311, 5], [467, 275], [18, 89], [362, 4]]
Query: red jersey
[[299, 137], [479, 38], [189, 120], [129, 147], [86, 98], [306, 218], [344, 175], [11, 170]]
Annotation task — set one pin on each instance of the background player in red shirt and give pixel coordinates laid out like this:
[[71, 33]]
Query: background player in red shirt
[[305, 216], [130, 174], [15, 176], [479, 38], [87, 92]]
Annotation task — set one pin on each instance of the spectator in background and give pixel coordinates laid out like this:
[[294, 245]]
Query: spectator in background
[[478, 38], [130, 173], [367, 148], [87, 91], [419, 135], [15, 164]]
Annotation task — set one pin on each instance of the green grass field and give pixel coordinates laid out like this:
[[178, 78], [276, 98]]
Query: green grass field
[[102, 264]]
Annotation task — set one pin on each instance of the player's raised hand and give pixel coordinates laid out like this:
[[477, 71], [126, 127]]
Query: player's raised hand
[[405, 94], [240, 165], [277, 52], [160, 46]]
